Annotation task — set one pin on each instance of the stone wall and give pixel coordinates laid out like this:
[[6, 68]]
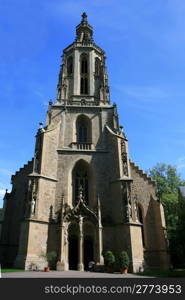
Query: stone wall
[[154, 227], [14, 213], [37, 239]]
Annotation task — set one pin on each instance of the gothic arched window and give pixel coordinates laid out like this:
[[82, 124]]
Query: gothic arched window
[[84, 64], [70, 65], [81, 182], [97, 66], [84, 74], [84, 86], [83, 129]]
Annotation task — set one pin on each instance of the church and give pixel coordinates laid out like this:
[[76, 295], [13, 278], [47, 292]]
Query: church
[[81, 195]]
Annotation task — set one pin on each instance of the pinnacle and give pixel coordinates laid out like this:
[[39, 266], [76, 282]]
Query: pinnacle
[[84, 17]]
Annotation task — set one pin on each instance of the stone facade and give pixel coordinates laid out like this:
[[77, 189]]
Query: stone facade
[[81, 195]]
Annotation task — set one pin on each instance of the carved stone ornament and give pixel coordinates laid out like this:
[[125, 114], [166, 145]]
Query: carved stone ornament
[[33, 202], [124, 158]]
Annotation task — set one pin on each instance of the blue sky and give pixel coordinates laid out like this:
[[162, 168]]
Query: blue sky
[[145, 44]]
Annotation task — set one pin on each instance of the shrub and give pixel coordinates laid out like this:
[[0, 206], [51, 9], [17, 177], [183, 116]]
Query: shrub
[[123, 260], [50, 257], [109, 259]]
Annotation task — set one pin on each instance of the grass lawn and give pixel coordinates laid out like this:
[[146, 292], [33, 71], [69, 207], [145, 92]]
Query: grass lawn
[[170, 273], [11, 270]]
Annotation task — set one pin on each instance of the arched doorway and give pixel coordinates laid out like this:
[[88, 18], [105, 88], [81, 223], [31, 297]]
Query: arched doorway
[[73, 252], [88, 251]]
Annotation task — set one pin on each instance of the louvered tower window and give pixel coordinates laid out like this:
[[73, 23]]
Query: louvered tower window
[[84, 74]]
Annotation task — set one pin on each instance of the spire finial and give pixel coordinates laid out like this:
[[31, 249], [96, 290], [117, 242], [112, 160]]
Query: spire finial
[[84, 31], [84, 17]]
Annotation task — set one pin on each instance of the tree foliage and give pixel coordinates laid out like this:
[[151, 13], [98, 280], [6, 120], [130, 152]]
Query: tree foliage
[[166, 178]]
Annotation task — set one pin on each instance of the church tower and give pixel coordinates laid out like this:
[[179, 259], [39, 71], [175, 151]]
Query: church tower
[[83, 77], [83, 195]]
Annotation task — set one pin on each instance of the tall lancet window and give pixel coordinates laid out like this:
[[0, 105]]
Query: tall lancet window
[[70, 66], [84, 74], [97, 67], [83, 129], [81, 183]]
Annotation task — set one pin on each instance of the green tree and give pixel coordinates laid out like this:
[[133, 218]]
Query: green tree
[[168, 181]]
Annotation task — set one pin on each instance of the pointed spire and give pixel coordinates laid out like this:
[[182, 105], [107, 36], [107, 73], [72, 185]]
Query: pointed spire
[[84, 31], [84, 18]]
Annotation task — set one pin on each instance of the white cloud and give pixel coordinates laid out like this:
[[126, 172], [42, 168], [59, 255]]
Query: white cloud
[[144, 93], [181, 162], [182, 166], [5, 172], [2, 193], [180, 159], [42, 96]]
